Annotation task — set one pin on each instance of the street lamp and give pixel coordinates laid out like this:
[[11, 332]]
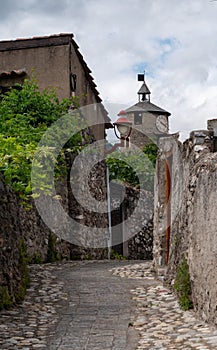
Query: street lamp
[[124, 127]]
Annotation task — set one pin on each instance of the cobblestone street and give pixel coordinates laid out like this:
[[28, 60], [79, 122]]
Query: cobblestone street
[[116, 305]]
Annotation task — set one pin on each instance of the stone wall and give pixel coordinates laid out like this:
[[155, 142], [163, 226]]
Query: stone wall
[[193, 220], [78, 234], [140, 246], [24, 238], [136, 232], [22, 223], [10, 274], [92, 235]]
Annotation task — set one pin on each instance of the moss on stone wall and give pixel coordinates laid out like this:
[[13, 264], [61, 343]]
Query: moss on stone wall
[[8, 299], [5, 298], [24, 271], [182, 285], [52, 254]]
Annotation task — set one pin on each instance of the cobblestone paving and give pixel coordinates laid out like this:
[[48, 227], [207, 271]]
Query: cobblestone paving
[[72, 306], [159, 320], [100, 309], [101, 306], [27, 326]]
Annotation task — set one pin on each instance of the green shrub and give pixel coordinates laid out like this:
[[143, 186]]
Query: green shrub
[[135, 168], [88, 256], [151, 150], [24, 271], [116, 256], [37, 259], [26, 114], [182, 285], [5, 298]]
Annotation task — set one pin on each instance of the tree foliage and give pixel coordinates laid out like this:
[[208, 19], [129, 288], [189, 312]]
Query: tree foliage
[[151, 150], [134, 168], [25, 114]]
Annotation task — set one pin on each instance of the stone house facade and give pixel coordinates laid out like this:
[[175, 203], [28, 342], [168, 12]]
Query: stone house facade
[[55, 62]]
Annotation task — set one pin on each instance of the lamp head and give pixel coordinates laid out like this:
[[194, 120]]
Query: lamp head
[[123, 125]]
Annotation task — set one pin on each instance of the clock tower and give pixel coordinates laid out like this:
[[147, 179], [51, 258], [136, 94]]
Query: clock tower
[[148, 120]]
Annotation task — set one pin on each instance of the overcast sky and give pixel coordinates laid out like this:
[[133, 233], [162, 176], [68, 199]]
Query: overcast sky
[[174, 41]]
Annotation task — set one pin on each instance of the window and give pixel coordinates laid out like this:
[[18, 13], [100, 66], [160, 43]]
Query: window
[[73, 82], [137, 118], [9, 79], [5, 89]]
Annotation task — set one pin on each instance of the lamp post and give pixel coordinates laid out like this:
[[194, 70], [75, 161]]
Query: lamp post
[[124, 127]]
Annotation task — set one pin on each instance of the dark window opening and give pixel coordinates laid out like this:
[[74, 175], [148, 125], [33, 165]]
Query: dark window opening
[[73, 82], [5, 89], [137, 118]]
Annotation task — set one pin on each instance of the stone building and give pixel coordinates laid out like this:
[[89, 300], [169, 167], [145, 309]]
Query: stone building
[[55, 62], [149, 121]]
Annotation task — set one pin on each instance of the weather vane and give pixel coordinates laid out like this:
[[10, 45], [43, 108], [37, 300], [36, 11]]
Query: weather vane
[[141, 77]]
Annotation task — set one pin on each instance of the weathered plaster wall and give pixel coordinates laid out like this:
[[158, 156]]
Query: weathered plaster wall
[[49, 65], [52, 61], [193, 230]]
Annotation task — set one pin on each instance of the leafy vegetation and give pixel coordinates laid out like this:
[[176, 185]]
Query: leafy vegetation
[[116, 256], [5, 298], [182, 285], [134, 168], [37, 259], [150, 151], [25, 115], [52, 253], [24, 271]]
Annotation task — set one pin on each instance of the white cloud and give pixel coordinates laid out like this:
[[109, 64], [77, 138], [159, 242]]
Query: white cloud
[[176, 42]]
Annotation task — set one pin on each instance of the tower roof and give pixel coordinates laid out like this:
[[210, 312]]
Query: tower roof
[[147, 107], [144, 104], [144, 89]]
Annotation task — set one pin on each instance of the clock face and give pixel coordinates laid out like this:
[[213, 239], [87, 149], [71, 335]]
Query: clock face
[[162, 123]]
